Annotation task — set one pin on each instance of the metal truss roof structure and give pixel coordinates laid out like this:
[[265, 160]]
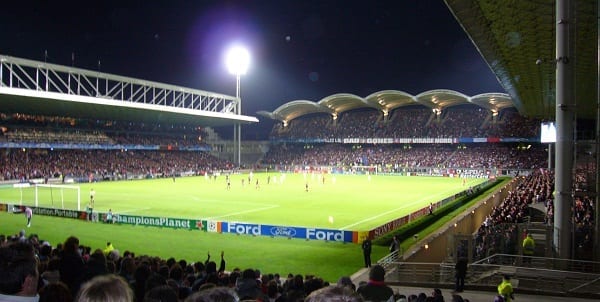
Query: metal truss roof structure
[[34, 87]]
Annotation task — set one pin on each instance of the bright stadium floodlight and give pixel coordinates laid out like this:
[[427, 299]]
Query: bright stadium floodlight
[[237, 60]]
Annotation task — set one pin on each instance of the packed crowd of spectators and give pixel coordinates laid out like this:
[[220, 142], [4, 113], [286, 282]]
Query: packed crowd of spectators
[[475, 156], [303, 127], [21, 128], [498, 233], [411, 122], [32, 267], [583, 219], [460, 122], [407, 122], [512, 124], [499, 155], [103, 164]]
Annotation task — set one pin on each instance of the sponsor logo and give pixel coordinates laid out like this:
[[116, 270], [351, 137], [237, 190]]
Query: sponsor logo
[[328, 235], [56, 212], [283, 231], [243, 229], [155, 221]]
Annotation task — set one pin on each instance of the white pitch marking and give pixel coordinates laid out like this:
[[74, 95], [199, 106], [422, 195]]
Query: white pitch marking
[[387, 212], [133, 210], [244, 212]]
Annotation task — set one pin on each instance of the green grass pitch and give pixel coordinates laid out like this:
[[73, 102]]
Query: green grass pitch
[[356, 202]]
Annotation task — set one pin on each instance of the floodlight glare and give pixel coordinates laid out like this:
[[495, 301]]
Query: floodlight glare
[[237, 60]]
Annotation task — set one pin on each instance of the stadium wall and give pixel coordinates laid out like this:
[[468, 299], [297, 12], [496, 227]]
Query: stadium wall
[[441, 244]]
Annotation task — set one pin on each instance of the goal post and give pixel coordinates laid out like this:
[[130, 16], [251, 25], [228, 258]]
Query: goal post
[[366, 169], [57, 192]]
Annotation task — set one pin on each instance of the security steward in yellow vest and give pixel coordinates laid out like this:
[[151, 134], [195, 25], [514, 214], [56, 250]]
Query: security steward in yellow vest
[[528, 248], [505, 289]]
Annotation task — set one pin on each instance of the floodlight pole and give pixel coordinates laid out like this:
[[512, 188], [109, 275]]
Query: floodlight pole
[[238, 126], [237, 61]]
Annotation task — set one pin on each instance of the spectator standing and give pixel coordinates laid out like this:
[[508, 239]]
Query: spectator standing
[[366, 248], [394, 245], [460, 274], [376, 290]]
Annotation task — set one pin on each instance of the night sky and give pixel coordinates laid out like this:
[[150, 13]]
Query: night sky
[[301, 50]]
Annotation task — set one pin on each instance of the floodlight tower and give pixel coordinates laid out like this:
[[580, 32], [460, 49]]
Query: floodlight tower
[[237, 61]]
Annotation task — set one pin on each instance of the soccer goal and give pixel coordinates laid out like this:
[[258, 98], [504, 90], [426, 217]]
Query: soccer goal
[[65, 196], [371, 170]]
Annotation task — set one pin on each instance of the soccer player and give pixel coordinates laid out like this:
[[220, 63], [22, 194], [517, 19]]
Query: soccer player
[[306, 187], [28, 215], [92, 197], [257, 185]]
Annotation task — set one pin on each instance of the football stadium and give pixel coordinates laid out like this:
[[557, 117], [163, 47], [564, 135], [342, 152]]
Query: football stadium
[[104, 174]]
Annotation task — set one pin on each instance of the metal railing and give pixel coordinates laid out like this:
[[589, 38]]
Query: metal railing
[[537, 274]]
